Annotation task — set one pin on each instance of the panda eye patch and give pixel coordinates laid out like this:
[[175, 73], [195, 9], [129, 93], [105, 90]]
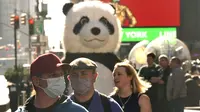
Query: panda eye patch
[[103, 20], [84, 20], [78, 26], [107, 24]]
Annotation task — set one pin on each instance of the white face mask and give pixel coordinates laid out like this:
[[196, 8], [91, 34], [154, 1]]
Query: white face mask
[[55, 86]]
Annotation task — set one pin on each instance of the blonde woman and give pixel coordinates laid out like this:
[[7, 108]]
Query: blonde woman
[[130, 89]]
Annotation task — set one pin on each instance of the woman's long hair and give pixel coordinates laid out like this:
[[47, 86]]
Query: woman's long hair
[[137, 83]]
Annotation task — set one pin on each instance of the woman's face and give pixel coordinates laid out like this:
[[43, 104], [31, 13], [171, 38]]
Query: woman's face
[[121, 79]]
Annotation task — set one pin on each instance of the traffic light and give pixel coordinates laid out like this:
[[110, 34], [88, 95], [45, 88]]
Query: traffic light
[[23, 19], [31, 26], [14, 20]]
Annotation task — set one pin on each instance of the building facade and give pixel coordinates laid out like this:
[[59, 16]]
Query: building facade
[[8, 7]]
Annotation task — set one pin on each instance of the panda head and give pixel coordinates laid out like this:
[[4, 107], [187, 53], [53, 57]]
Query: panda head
[[91, 27]]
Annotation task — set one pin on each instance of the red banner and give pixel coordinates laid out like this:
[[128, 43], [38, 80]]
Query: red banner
[[149, 12]]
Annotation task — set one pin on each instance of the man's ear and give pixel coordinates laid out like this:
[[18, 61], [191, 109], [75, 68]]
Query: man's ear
[[67, 7], [95, 76], [38, 82], [68, 77], [35, 81]]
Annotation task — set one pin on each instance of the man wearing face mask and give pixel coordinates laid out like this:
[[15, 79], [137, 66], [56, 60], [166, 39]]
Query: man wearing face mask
[[82, 77], [48, 81]]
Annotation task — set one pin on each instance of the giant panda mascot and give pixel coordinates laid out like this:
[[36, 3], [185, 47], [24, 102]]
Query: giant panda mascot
[[92, 30]]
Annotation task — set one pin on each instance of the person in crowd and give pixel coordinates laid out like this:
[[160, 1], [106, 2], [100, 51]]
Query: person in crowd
[[151, 73], [165, 71], [194, 70], [193, 92], [47, 77], [186, 66], [82, 77], [176, 87], [130, 89], [193, 89]]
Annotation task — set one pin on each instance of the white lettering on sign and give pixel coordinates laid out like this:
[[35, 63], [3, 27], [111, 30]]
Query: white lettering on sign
[[136, 34], [167, 34]]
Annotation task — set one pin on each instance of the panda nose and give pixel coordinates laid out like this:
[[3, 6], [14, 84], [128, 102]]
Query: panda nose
[[95, 31]]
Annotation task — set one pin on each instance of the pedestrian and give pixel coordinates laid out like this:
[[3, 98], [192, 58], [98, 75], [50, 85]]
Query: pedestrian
[[176, 87], [151, 73], [47, 78], [130, 89], [82, 76], [165, 71]]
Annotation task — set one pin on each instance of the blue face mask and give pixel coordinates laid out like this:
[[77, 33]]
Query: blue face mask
[[81, 86]]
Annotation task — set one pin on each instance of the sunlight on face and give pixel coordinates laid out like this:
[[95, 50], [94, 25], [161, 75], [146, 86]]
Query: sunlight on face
[[120, 77]]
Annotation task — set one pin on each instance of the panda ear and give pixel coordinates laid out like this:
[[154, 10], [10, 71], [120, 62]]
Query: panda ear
[[67, 7], [113, 8]]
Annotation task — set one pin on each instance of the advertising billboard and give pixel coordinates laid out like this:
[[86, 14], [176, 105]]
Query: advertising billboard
[[139, 34], [143, 13]]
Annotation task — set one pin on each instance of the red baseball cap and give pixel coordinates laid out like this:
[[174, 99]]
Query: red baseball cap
[[45, 63]]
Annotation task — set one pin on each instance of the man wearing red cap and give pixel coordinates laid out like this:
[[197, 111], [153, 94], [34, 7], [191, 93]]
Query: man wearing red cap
[[48, 81]]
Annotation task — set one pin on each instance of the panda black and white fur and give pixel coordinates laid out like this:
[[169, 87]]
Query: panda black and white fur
[[92, 30]]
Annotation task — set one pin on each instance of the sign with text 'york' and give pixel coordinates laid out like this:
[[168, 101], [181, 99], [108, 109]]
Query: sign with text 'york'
[[139, 34]]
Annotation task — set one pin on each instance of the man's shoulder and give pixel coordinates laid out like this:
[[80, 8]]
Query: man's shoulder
[[25, 107], [179, 71], [115, 107], [144, 67], [70, 106], [21, 109], [157, 66]]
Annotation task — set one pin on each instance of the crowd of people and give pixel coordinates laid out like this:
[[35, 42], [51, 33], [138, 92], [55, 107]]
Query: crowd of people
[[173, 85], [162, 87]]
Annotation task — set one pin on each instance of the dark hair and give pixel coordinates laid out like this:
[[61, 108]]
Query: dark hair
[[151, 54], [196, 78]]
